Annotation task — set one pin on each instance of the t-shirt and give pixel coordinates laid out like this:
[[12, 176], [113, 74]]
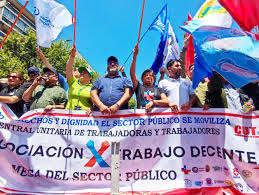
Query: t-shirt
[[110, 90], [18, 91], [233, 97], [83, 99], [27, 104], [43, 96], [144, 95], [1, 86], [178, 91], [63, 82]]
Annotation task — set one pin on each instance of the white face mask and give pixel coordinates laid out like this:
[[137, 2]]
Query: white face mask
[[113, 69]]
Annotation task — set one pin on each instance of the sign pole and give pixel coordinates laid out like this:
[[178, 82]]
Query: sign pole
[[115, 168]]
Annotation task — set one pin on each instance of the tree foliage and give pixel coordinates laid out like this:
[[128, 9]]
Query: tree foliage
[[132, 103], [19, 53]]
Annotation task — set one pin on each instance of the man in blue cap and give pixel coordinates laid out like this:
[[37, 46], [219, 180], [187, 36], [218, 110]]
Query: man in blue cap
[[33, 73]]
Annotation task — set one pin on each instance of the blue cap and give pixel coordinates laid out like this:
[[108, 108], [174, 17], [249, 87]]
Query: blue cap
[[33, 70]]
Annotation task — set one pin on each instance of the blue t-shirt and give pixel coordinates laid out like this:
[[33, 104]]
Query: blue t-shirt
[[111, 90]]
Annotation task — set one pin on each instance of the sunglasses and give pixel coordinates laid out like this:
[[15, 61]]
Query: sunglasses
[[12, 77], [110, 63]]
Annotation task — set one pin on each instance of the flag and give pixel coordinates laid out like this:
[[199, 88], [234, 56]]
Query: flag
[[202, 69], [244, 12], [50, 18], [189, 54], [232, 53], [171, 50], [159, 23], [214, 14], [168, 47]]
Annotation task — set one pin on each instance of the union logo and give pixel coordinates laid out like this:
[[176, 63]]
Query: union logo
[[247, 173], [97, 156]]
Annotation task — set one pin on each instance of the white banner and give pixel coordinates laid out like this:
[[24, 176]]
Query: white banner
[[160, 152]]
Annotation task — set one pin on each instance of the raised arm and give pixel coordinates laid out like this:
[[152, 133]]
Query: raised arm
[[70, 63], [43, 58], [28, 93], [182, 55], [162, 71], [133, 76], [121, 69]]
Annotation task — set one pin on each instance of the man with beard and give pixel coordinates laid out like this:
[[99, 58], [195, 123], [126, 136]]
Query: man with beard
[[111, 93], [178, 90], [49, 96]]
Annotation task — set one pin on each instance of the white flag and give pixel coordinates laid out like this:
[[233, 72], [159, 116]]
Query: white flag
[[50, 18], [171, 51]]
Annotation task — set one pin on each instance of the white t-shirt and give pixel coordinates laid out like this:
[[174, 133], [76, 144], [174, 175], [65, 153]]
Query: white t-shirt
[[178, 91], [233, 97]]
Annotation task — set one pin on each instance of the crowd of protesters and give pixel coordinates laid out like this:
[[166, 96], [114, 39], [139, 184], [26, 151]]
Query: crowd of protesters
[[112, 92]]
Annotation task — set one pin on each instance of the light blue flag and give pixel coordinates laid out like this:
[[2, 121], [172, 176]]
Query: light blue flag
[[232, 53]]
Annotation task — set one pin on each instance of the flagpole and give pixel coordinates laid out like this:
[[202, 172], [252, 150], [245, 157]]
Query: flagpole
[[140, 25], [74, 41], [132, 50], [139, 40], [11, 28]]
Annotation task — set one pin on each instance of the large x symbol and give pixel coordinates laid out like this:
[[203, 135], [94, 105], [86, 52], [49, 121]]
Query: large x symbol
[[97, 155]]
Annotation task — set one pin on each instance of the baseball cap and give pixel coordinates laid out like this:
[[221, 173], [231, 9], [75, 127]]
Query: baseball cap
[[82, 68], [112, 58], [46, 69], [33, 70]]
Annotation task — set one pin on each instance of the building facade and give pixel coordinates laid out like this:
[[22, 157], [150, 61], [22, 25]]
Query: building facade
[[9, 10]]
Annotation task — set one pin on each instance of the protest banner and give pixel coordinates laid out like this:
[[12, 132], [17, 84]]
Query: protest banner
[[66, 151]]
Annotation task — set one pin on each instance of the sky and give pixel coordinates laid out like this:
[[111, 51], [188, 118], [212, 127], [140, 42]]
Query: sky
[[110, 27]]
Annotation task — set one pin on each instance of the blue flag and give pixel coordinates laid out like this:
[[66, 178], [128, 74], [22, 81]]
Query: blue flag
[[202, 69], [232, 53], [159, 23], [168, 47]]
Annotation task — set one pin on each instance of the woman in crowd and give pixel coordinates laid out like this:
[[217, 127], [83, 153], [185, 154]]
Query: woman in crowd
[[79, 90], [11, 94]]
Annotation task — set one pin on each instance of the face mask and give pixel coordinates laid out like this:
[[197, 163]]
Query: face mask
[[113, 69]]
